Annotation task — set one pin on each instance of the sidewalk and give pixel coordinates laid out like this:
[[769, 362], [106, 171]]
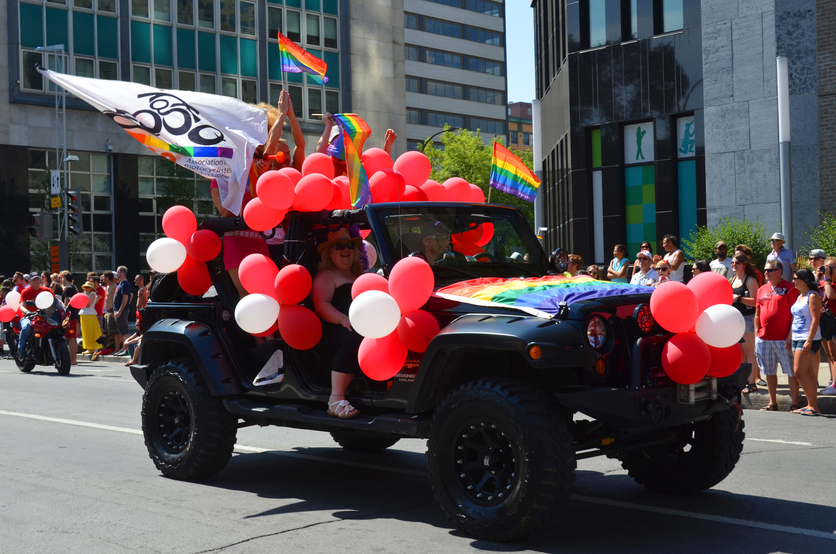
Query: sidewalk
[[760, 398]]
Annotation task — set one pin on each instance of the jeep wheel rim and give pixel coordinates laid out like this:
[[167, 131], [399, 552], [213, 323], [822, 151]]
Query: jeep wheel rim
[[175, 421], [485, 462]]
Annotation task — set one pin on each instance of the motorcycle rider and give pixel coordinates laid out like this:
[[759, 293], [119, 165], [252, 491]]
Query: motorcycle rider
[[30, 293]]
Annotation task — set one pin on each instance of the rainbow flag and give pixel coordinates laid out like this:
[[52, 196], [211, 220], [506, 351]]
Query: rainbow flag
[[188, 151], [297, 60], [539, 296], [353, 134], [510, 175]]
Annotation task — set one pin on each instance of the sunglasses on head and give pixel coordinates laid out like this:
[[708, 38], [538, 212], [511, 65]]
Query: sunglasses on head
[[342, 245]]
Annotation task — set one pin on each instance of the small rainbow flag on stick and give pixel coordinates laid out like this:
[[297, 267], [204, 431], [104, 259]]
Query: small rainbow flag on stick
[[297, 60], [509, 174], [353, 134]]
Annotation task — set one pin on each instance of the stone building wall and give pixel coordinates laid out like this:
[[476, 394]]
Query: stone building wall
[[826, 62]]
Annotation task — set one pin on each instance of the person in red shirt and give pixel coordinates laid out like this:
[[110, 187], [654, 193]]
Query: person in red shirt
[[773, 327], [29, 293]]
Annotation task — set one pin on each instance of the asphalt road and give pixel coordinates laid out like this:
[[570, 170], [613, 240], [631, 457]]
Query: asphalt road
[[76, 477]]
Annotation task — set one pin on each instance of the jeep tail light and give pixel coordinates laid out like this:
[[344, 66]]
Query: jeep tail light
[[596, 332], [644, 318]]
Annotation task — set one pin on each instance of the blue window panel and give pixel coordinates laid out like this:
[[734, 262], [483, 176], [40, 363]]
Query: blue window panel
[[333, 73], [107, 35], [31, 25], [186, 57], [275, 2], [140, 42], [293, 3], [206, 51], [83, 35], [274, 62], [312, 5], [294, 77], [249, 58], [633, 177], [229, 55], [162, 45], [56, 27], [686, 173], [649, 213], [331, 7]]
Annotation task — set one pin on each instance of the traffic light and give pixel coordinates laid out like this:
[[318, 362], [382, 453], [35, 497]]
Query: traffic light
[[74, 229], [40, 226]]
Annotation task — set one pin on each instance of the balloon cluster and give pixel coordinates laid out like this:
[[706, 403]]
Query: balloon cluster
[[387, 315], [11, 308], [43, 301], [708, 328], [272, 304]]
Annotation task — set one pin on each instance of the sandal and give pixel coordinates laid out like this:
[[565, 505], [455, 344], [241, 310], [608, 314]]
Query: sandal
[[807, 411], [795, 408], [750, 387], [770, 408], [342, 409]]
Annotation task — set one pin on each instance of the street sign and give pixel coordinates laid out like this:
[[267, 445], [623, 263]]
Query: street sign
[[54, 183], [53, 258], [55, 202]]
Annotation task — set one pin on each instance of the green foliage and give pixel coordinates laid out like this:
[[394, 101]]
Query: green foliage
[[466, 156], [176, 190], [700, 245], [822, 236]]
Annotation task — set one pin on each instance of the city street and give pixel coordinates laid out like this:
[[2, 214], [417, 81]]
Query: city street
[[77, 478]]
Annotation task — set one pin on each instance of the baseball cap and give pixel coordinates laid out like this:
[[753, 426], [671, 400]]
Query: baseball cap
[[818, 253], [777, 236], [720, 243], [644, 253], [34, 274]]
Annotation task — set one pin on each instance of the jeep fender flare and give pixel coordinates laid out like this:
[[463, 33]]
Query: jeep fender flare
[[203, 347]]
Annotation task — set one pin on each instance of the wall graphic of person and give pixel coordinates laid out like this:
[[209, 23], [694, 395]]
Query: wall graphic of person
[[639, 136]]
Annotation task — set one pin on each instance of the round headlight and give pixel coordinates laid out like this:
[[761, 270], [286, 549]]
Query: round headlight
[[644, 318], [596, 332]]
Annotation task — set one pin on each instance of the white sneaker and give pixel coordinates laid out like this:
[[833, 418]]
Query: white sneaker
[[829, 390]]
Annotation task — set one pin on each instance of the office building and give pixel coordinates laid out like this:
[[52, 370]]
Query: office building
[[519, 126]]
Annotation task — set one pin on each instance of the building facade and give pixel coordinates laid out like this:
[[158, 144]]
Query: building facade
[[520, 130], [661, 115]]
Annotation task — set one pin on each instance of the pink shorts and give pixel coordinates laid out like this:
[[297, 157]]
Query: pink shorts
[[238, 248]]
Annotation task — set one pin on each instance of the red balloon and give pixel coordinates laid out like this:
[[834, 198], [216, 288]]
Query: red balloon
[[470, 250], [193, 277], [710, 289], [469, 237], [381, 359], [387, 185], [179, 223], [674, 307], [725, 361], [318, 163], [276, 190], [7, 313], [487, 234], [455, 189], [268, 332], [476, 194], [257, 274], [369, 281], [259, 217], [291, 173], [685, 357], [336, 202], [431, 189], [78, 301], [375, 159], [204, 245], [412, 194], [365, 233], [414, 166], [411, 283], [313, 193], [300, 327], [292, 284], [416, 329], [345, 192]]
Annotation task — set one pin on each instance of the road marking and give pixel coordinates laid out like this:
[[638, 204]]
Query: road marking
[[781, 442], [707, 517], [73, 422]]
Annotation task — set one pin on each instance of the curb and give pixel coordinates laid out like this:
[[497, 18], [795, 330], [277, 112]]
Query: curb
[[109, 359], [760, 398]]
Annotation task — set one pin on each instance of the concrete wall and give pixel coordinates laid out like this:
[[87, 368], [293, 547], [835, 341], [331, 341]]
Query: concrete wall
[[826, 61], [741, 39]]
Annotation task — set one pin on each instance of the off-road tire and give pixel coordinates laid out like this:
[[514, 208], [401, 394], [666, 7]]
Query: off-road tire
[[363, 442], [62, 364], [714, 448], [513, 430], [188, 433]]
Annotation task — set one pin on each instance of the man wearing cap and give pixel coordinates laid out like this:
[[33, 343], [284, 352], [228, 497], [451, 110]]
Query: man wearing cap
[[646, 275], [784, 255], [722, 264], [436, 241], [30, 293]]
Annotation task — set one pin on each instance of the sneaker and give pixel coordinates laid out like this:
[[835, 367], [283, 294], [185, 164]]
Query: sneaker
[[761, 383], [121, 353], [829, 390]]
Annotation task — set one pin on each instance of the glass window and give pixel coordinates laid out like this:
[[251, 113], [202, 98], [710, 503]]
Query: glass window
[[101, 203], [485, 66], [413, 84], [671, 15], [332, 101], [275, 92], [162, 10], [314, 103], [435, 119], [207, 83], [527, 139], [139, 8], [31, 78], [329, 25], [162, 78], [442, 28], [84, 67], [597, 23], [107, 6], [108, 70], [447, 90], [410, 21], [411, 53], [413, 116], [296, 99], [142, 75], [87, 4], [443, 58], [186, 80], [487, 8], [206, 14], [185, 12], [228, 15], [274, 22], [247, 11], [312, 29], [513, 139], [629, 19], [413, 145], [229, 87], [485, 37], [249, 91], [294, 26]]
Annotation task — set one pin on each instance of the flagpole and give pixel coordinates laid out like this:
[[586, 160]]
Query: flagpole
[[489, 185]]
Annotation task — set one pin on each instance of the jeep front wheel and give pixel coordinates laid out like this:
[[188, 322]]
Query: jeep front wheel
[[188, 433], [500, 458]]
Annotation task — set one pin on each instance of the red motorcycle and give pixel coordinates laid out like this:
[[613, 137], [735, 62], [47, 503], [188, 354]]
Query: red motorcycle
[[46, 345]]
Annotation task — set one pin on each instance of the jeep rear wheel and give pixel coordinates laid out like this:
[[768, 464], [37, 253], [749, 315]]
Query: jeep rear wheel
[[704, 454], [500, 458], [188, 433], [363, 442]]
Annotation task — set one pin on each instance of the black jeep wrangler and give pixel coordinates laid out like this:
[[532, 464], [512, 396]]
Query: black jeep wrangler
[[509, 401]]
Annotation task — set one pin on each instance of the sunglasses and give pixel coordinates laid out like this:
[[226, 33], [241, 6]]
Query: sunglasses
[[771, 270], [811, 258], [343, 245], [662, 269]]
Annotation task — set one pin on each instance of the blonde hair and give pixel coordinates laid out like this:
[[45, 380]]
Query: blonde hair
[[271, 111], [328, 264]]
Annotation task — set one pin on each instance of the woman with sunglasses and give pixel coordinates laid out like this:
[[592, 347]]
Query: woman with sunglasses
[[806, 339], [646, 247], [744, 298], [339, 268]]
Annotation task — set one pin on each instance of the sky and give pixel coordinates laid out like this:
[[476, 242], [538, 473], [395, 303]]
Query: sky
[[519, 22]]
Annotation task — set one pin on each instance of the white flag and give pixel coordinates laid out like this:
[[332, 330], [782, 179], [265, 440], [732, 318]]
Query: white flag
[[214, 136]]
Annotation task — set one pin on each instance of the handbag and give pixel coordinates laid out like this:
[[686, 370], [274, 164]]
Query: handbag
[[827, 324]]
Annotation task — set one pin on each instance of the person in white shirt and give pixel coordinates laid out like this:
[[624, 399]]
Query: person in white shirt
[[722, 264], [646, 274], [675, 258]]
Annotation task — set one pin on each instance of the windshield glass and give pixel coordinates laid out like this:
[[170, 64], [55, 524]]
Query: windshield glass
[[466, 241]]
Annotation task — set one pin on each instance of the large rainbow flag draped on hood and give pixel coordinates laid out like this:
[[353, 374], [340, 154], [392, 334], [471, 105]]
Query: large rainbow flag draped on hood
[[539, 296]]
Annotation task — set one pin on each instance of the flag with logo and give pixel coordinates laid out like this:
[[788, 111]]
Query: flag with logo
[[214, 136], [348, 145]]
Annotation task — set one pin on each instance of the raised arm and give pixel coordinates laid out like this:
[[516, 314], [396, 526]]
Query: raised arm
[[298, 157], [388, 140], [322, 143]]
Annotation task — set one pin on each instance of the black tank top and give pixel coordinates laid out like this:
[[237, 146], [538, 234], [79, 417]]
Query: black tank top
[[743, 292], [342, 297]]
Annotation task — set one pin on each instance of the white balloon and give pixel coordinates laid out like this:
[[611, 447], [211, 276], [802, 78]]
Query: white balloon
[[255, 313], [374, 314], [44, 300], [371, 253], [13, 300], [721, 326], [165, 255]]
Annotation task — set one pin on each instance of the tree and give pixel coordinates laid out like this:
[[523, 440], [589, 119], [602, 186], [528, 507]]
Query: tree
[[822, 236], [700, 245], [466, 156]]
